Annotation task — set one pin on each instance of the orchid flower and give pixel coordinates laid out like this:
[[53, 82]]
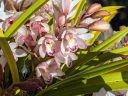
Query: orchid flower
[[3, 15], [103, 92], [37, 27], [91, 19], [19, 4], [64, 9], [48, 44], [16, 53], [66, 58], [74, 39], [67, 6], [48, 70]]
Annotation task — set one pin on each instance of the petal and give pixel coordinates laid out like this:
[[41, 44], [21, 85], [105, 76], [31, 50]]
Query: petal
[[81, 43], [63, 46], [66, 6], [46, 76], [38, 73], [73, 4], [73, 45], [68, 61], [41, 40], [54, 68], [20, 53], [46, 26], [89, 21], [73, 56], [86, 36], [12, 45], [2, 6], [93, 8], [42, 51], [102, 92], [61, 20], [81, 30], [100, 14], [100, 26], [109, 94], [59, 57], [71, 14]]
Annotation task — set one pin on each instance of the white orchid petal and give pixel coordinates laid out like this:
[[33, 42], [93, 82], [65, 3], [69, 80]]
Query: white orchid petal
[[81, 30], [2, 6], [38, 73], [42, 51], [41, 40], [81, 43], [12, 45], [20, 53], [102, 92], [23, 30], [109, 94], [86, 36], [73, 56], [46, 26], [71, 14], [73, 4]]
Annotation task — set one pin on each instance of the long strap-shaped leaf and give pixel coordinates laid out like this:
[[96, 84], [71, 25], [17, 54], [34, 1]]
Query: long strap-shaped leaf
[[9, 56], [110, 41], [24, 17], [79, 10], [100, 70], [111, 81]]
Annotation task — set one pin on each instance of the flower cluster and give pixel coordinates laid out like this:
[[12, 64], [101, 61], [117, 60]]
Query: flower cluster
[[55, 45]]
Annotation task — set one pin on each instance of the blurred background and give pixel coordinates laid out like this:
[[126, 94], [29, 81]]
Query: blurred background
[[122, 17]]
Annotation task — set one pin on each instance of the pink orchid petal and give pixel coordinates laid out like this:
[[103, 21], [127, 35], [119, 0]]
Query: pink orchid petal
[[100, 14], [66, 6], [100, 26], [93, 8], [42, 51]]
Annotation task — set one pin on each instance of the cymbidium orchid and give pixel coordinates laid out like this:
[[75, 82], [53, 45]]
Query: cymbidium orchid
[[92, 18], [48, 44], [103, 92], [48, 70], [17, 53], [3, 15], [52, 39], [74, 39], [64, 9]]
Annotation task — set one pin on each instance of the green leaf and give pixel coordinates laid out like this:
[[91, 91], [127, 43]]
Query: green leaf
[[79, 10], [24, 17], [112, 81], [9, 56], [111, 40], [99, 70], [90, 60]]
